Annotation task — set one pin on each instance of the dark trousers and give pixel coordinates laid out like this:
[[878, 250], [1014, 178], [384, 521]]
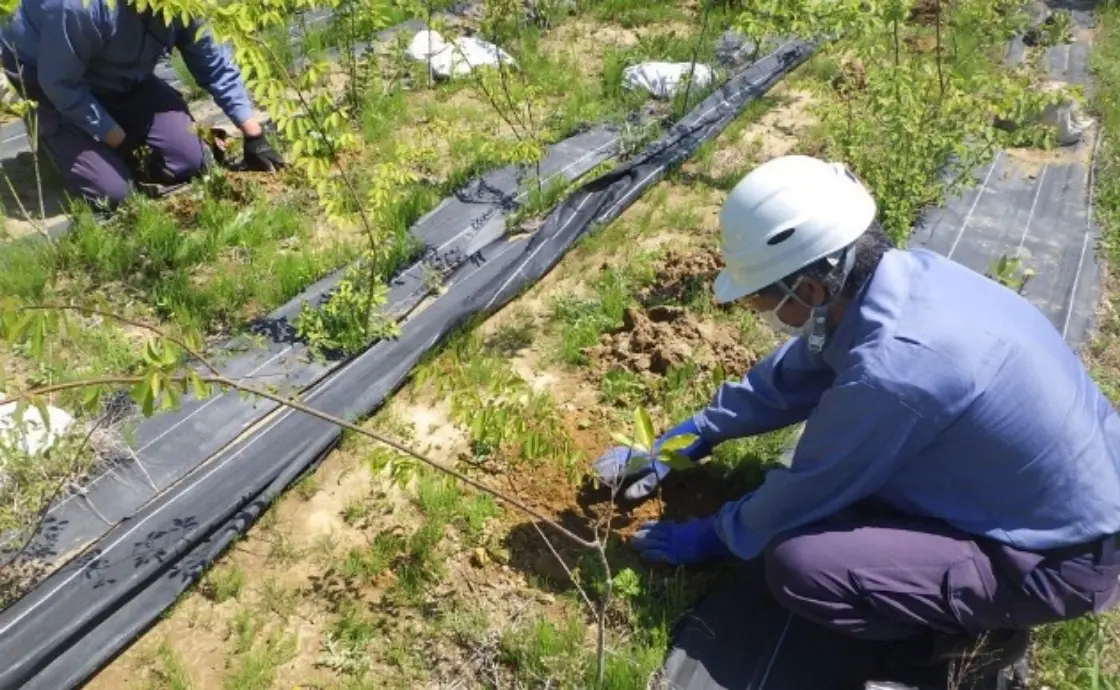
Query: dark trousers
[[155, 117], [884, 576]]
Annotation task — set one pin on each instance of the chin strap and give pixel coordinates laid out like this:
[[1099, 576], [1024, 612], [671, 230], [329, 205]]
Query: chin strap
[[817, 335]]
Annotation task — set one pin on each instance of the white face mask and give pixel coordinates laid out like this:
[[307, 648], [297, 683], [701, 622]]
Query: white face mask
[[770, 318]]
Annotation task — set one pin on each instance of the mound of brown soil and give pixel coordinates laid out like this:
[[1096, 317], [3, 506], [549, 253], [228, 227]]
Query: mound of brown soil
[[654, 340], [680, 274]]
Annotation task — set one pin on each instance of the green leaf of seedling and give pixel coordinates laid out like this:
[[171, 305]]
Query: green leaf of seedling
[[170, 357], [201, 390], [676, 461], [623, 440], [678, 442], [636, 462], [170, 399], [155, 384], [44, 415], [20, 327], [91, 398], [37, 335], [151, 352], [142, 396], [643, 428]]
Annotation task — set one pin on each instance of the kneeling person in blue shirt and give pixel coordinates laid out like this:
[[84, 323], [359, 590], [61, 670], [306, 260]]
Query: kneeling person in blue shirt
[[958, 475], [90, 65]]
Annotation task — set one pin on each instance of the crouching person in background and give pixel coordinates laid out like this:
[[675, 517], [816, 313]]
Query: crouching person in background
[[103, 117]]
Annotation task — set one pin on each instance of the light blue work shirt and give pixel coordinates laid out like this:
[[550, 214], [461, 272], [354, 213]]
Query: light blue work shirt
[[942, 394], [83, 48]]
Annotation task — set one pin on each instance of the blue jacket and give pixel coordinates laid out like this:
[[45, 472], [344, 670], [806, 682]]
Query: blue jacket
[[944, 395], [84, 48]]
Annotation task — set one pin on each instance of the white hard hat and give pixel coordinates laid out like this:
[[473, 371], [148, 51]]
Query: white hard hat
[[784, 215]]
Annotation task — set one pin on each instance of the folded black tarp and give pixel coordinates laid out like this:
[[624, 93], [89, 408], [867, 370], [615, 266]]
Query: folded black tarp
[[85, 612], [167, 446]]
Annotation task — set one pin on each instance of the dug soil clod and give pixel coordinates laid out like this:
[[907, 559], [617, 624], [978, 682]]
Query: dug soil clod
[[683, 276], [655, 340]]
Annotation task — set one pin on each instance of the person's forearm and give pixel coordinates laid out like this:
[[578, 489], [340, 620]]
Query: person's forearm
[[781, 389], [251, 128], [211, 64]]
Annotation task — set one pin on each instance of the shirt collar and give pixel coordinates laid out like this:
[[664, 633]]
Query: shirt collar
[[888, 284]]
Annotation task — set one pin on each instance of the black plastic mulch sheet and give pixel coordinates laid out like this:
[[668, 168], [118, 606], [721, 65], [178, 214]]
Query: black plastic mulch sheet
[[94, 605], [168, 445]]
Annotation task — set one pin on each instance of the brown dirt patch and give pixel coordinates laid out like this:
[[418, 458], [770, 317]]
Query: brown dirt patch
[[924, 44], [775, 134], [925, 12], [681, 274], [1030, 162], [654, 340], [851, 78], [584, 43]]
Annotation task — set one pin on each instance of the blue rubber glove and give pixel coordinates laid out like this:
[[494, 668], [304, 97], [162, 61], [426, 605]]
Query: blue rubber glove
[[611, 466], [679, 543]]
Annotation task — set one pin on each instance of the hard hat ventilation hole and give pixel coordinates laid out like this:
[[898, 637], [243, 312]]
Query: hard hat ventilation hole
[[780, 236]]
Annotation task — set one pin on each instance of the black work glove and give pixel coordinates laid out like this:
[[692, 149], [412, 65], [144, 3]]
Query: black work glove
[[259, 155]]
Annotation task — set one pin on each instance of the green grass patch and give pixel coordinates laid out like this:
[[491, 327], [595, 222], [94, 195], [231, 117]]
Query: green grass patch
[[206, 264], [168, 670], [255, 667], [223, 583], [502, 414], [583, 319], [635, 13], [561, 651]]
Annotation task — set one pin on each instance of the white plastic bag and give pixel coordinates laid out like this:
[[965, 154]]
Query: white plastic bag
[[32, 436], [457, 58], [664, 79], [1068, 122]]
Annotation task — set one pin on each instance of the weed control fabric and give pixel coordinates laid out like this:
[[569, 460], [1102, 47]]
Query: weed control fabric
[[1035, 208], [87, 611], [739, 638]]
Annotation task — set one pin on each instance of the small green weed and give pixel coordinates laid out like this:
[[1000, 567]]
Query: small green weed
[[1075, 656], [307, 487], [243, 628], [584, 319], [622, 388], [354, 510], [366, 564], [223, 583], [278, 599], [501, 412], [255, 669], [283, 549], [633, 13], [169, 671], [544, 651], [511, 339]]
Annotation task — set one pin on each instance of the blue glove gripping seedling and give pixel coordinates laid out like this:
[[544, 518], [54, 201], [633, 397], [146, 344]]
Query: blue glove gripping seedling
[[679, 543], [621, 463]]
